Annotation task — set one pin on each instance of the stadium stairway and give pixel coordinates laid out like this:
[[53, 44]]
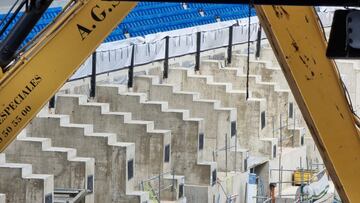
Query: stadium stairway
[[25, 185], [187, 134], [248, 112], [277, 99], [114, 161], [268, 72], [220, 123], [69, 170], [153, 146]]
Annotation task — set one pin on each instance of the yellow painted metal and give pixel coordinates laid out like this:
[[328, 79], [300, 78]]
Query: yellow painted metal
[[43, 69], [299, 43], [303, 177]]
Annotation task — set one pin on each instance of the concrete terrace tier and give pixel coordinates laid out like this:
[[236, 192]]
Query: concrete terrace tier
[[187, 132], [25, 185], [250, 127], [220, 122], [69, 170], [152, 146], [114, 161], [277, 100]]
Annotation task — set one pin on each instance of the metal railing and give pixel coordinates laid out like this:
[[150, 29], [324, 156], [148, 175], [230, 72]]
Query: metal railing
[[155, 193]]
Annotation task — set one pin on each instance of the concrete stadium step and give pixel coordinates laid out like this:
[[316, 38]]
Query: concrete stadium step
[[69, 170], [25, 186], [349, 71], [187, 133], [152, 146], [270, 74], [251, 114], [149, 142], [277, 100], [114, 161], [220, 123], [267, 72], [267, 54]]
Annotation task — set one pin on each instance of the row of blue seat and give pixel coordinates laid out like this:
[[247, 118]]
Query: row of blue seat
[[151, 17]]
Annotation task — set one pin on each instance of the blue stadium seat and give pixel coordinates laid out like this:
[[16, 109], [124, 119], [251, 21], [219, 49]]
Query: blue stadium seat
[[151, 17]]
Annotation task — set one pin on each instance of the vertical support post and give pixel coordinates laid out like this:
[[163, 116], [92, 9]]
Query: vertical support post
[[52, 103], [280, 165], [173, 184], [280, 129], [198, 50], [273, 126], [159, 186], [281, 181], [229, 50], [131, 68], [93, 76], [226, 153], [294, 128], [166, 60], [302, 180], [258, 42], [236, 140]]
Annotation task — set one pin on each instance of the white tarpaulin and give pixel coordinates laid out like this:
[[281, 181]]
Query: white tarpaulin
[[117, 55]]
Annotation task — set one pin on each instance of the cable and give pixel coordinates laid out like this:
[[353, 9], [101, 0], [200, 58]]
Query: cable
[[248, 51]]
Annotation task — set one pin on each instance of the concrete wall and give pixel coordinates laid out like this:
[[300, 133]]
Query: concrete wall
[[111, 157], [248, 112], [20, 185], [70, 171], [149, 143], [218, 120], [185, 131]]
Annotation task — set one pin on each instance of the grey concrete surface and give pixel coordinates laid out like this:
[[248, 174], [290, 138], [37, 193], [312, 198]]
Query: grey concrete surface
[[185, 131], [277, 100], [112, 158], [69, 170], [149, 143], [248, 111], [25, 186], [218, 120]]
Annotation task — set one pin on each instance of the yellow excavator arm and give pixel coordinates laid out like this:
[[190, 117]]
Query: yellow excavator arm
[[299, 43], [44, 68]]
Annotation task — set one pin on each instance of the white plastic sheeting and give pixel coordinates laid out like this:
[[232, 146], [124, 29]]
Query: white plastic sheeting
[[117, 55], [314, 190]]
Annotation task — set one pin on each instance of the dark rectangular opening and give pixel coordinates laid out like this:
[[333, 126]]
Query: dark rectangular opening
[[48, 198], [263, 123], [291, 110], [130, 169], [201, 141], [302, 140], [90, 184], [245, 164], [214, 177], [233, 128], [167, 153], [181, 190], [274, 151]]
